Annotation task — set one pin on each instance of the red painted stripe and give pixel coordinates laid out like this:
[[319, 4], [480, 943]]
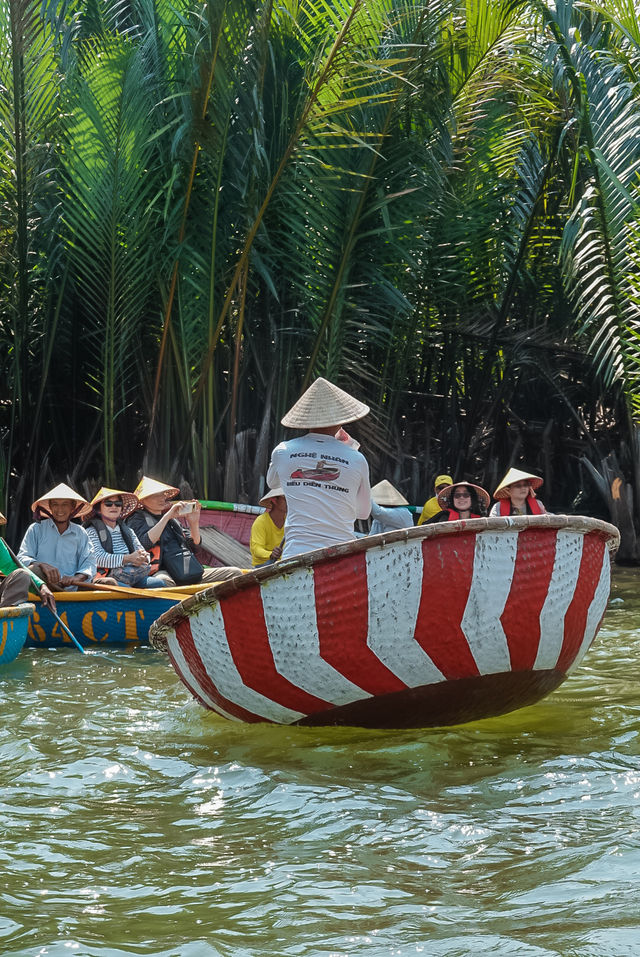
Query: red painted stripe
[[248, 640], [197, 668], [342, 616], [531, 577], [190, 684], [446, 581], [575, 620]]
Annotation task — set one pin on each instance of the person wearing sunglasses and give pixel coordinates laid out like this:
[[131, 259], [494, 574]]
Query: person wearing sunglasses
[[462, 500], [431, 506], [119, 555]]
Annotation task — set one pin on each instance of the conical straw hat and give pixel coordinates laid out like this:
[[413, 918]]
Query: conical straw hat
[[272, 493], [148, 486], [384, 493], [60, 491], [3, 520], [324, 404], [445, 498], [515, 475], [129, 502]]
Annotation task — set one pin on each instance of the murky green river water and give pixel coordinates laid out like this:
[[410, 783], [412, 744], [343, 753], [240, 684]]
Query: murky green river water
[[134, 822]]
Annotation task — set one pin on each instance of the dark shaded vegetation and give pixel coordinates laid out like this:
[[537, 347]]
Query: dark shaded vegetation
[[435, 205]]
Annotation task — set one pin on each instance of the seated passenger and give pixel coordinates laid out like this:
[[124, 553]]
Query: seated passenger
[[431, 506], [267, 532], [116, 548], [388, 509], [516, 495], [15, 582], [54, 547], [462, 500], [171, 546]]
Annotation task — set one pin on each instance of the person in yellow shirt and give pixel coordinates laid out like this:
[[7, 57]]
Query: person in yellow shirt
[[431, 506], [267, 532]]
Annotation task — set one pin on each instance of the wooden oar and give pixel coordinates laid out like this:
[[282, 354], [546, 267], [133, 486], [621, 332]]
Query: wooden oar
[[134, 592]]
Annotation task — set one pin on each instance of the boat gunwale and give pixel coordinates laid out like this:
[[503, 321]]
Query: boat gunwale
[[582, 524], [17, 611], [102, 596]]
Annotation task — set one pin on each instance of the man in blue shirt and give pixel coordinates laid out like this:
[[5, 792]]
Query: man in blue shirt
[[54, 547]]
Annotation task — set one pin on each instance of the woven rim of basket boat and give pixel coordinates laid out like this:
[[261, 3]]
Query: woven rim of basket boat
[[17, 611], [210, 596]]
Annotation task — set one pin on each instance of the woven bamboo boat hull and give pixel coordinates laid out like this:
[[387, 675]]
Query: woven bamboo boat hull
[[435, 625], [13, 631]]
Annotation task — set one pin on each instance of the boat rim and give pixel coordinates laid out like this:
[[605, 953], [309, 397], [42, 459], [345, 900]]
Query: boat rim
[[582, 524]]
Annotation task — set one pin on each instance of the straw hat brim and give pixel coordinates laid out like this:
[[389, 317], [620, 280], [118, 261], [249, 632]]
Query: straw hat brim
[[60, 491], [129, 502], [148, 486], [445, 498], [385, 494], [515, 475], [272, 493], [324, 404], [3, 520]]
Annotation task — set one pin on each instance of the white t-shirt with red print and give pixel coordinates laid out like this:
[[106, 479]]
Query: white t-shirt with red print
[[326, 485]]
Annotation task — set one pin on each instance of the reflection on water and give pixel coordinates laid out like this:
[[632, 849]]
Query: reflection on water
[[136, 823]]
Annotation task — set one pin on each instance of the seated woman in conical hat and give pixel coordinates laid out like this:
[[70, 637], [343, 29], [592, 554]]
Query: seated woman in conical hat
[[54, 547], [325, 480], [388, 509], [120, 558], [461, 500], [431, 506], [516, 495]]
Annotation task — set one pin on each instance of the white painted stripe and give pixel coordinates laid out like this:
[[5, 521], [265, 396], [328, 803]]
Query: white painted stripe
[[290, 614], [190, 680], [493, 563], [562, 586], [596, 610], [394, 581], [209, 637]]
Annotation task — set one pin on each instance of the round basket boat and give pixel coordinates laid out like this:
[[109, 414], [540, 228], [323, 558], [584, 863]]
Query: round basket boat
[[436, 625], [14, 621]]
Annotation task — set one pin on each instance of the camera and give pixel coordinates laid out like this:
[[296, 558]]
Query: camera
[[187, 507]]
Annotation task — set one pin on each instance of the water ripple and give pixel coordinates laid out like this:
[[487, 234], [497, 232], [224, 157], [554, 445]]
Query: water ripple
[[135, 823]]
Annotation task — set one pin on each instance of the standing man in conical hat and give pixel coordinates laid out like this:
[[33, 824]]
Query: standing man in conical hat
[[54, 547], [15, 581], [324, 480]]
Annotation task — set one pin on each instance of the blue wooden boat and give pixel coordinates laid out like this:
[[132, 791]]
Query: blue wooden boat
[[100, 618], [14, 622]]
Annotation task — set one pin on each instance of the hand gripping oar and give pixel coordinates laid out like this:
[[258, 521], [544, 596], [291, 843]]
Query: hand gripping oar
[[54, 613]]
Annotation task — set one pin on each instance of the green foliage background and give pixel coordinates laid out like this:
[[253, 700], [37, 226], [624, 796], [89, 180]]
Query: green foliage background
[[206, 204]]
